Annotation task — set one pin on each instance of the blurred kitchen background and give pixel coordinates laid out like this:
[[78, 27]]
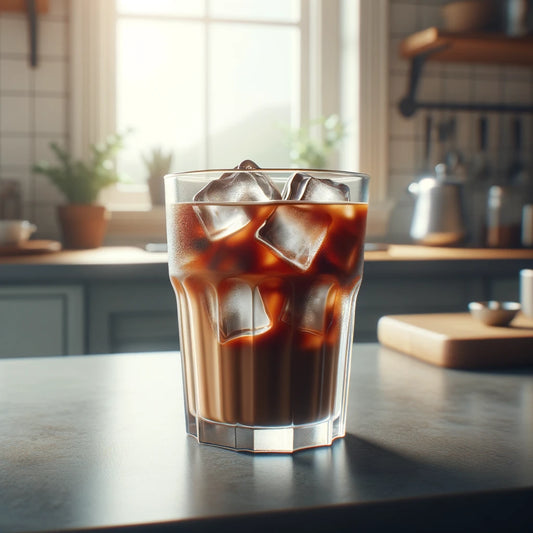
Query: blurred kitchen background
[[44, 103]]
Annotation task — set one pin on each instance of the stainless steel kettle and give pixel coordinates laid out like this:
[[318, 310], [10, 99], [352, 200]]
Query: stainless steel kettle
[[438, 216]]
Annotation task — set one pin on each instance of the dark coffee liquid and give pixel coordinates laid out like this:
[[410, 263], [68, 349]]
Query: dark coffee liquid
[[277, 362]]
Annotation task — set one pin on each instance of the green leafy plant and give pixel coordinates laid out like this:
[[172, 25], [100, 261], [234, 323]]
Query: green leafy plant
[[310, 152], [157, 163], [81, 182]]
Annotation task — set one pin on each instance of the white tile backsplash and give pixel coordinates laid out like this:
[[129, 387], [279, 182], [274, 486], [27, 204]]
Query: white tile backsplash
[[33, 107], [402, 152], [15, 114], [492, 72], [398, 87], [397, 64], [14, 75], [50, 115], [15, 151], [51, 77], [403, 19], [429, 15], [517, 92], [52, 38], [401, 126], [46, 192], [457, 89], [41, 146], [430, 87], [14, 34], [518, 73], [487, 90]]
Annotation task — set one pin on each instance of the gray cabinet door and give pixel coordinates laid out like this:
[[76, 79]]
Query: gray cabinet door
[[132, 316], [41, 320]]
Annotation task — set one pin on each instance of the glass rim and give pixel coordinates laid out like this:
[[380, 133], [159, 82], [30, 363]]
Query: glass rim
[[347, 174]]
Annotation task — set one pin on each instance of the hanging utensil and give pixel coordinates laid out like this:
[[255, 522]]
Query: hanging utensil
[[454, 158], [427, 145], [480, 169], [476, 188], [517, 173]]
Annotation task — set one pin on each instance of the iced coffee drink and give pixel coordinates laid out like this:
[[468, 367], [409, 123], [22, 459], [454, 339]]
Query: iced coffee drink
[[266, 266]]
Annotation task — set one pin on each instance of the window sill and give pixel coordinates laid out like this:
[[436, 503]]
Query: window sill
[[136, 228]]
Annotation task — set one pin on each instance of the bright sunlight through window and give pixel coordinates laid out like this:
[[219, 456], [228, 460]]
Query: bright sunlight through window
[[210, 81]]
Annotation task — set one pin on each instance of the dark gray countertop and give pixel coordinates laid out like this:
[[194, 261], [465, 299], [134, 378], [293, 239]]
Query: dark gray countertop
[[98, 442]]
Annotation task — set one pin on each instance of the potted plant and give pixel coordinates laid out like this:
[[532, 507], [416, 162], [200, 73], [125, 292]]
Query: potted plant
[[157, 163], [83, 222], [308, 151]]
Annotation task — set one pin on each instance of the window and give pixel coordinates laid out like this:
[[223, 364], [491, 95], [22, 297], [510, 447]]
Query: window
[[216, 81], [211, 81]]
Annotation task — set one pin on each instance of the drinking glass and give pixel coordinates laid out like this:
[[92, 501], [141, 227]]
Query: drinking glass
[[266, 265]]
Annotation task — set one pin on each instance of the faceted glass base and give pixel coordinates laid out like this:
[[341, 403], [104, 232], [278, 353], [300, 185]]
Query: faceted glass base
[[284, 439]]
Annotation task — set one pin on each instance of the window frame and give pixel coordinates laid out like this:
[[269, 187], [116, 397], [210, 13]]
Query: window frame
[[362, 100]]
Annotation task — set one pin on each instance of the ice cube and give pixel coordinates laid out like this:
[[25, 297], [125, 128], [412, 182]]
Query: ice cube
[[238, 311], [295, 233], [313, 309], [307, 188], [222, 220]]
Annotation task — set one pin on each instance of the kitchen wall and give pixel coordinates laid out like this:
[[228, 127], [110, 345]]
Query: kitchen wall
[[449, 82], [34, 105]]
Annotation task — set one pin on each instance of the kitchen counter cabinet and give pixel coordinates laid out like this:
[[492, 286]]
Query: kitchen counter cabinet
[[130, 304], [37, 320], [131, 316], [98, 443]]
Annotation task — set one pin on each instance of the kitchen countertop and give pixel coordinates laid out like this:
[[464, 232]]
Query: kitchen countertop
[[128, 262], [99, 442]]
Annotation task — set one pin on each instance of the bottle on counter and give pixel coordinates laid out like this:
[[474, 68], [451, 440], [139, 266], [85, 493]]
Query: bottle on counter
[[527, 226], [504, 217], [506, 201]]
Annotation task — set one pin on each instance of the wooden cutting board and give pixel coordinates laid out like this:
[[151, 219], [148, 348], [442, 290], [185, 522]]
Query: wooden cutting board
[[457, 340]]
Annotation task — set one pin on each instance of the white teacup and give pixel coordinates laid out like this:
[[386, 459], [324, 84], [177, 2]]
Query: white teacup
[[15, 231], [526, 291]]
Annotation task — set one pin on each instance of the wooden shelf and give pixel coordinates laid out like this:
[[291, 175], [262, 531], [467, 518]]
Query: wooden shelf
[[490, 48], [20, 5], [433, 44]]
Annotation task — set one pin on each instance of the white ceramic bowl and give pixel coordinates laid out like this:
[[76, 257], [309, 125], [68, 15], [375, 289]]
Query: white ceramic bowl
[[494, 313], [15, 231], [526, 291]]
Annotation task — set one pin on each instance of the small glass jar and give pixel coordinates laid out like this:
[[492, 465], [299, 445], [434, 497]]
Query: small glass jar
[[504, 217], [527, 226]]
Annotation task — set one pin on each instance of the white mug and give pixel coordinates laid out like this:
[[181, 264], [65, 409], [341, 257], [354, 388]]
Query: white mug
[[526, 291], [15, 231]]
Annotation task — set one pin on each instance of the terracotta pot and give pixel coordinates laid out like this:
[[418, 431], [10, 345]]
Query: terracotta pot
[[82, 226]]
